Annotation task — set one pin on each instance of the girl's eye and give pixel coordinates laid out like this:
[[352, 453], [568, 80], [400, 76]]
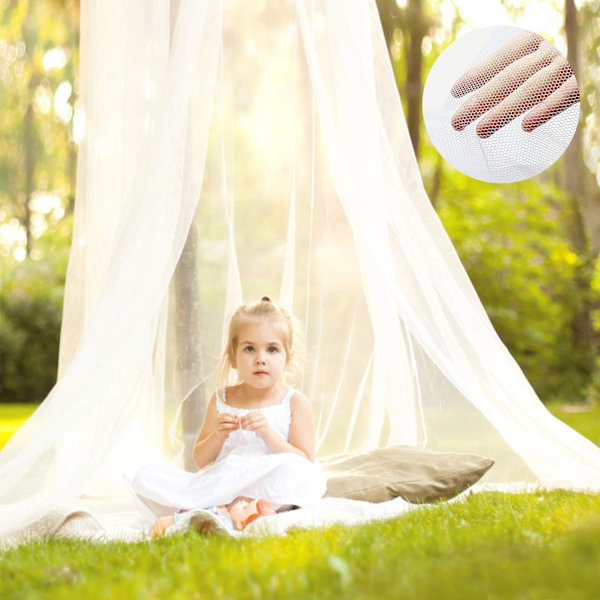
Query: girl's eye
[[248, 348], [272, 349]]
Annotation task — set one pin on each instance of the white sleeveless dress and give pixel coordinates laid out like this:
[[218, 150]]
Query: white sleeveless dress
[[244, 467]]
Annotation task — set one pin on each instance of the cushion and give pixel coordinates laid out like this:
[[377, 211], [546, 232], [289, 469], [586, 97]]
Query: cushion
[[415, 474]]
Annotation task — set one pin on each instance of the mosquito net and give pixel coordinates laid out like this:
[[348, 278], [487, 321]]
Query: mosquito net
[[241, 149], [501, 104]]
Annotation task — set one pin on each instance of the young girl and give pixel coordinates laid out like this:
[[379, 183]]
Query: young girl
[[258, 437]]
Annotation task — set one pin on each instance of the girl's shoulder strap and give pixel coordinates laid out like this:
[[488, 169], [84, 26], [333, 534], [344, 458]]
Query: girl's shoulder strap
[[288, 396], [221, 396]]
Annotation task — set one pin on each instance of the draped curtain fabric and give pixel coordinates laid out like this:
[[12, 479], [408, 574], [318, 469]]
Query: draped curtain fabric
[[235, 150]]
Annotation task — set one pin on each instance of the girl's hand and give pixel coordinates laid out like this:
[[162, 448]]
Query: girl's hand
[[226, 423], [257, 422]]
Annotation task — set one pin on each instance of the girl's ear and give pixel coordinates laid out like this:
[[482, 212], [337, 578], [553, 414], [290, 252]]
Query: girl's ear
[[231, 358]]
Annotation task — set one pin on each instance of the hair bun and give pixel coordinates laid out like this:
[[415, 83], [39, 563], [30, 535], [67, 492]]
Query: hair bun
[[265, 299]]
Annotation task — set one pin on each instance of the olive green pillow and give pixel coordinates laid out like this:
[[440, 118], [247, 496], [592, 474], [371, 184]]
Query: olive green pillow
[[415, 474]]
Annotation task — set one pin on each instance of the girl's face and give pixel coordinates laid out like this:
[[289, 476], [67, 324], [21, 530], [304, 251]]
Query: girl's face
[[260, 356]]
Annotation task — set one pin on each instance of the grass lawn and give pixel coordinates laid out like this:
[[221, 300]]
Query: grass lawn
[[492, 545], [11, 417]]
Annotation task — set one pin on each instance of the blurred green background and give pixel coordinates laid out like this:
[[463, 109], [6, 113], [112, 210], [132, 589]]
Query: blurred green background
[[531, 248]]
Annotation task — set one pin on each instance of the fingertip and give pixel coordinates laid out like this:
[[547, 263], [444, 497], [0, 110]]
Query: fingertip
[[463, 85], [528, 126], [457, 122], [456, 91], [533, 121], [484, 130]]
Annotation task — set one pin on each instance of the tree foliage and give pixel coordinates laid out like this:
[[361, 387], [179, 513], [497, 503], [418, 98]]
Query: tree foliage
[[516, 240], [38, 62], [512, 239], [30, 314], [512, 244]]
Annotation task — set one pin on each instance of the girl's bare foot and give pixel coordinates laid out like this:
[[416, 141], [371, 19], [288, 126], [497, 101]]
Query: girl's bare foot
[[160, 526]]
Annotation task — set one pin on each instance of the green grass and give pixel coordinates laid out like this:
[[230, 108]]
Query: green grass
[[491, 546], [526, 546], [585, 419], [11, 417]]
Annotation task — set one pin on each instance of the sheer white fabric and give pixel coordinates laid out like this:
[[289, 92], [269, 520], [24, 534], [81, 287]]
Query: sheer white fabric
[[510, 153], [240, 149]]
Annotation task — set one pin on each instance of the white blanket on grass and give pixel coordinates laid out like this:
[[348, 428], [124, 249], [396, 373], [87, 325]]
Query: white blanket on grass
[[322, 513], [90, 520], [327, 512], [76, 522]]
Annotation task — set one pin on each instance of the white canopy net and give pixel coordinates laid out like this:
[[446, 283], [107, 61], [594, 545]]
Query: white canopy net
[[240, 149]]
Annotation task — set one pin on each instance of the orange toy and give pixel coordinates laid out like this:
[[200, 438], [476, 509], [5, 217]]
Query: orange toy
[[244, 510], [262, 508]]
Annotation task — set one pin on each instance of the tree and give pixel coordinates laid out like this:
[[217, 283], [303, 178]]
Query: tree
[[544, 270], [414, 24], [38, 59], [583, 200]]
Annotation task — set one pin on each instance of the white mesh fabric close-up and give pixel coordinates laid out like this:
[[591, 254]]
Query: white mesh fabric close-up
[[501, 104], [251, 149]]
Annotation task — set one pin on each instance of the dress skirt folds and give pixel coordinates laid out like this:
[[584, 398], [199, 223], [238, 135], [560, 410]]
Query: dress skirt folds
[[244, 467]]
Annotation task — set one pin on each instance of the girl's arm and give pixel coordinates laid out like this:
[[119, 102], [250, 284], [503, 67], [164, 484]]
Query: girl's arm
[[302, 429], [215, 429]]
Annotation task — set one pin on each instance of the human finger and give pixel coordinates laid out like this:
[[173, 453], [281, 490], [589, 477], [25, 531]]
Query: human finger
[[228, 418], [503, 85], [252, 420], [484, 71], [566, 95], [227, 426], [246, 420], [251, 415], [535, 89]]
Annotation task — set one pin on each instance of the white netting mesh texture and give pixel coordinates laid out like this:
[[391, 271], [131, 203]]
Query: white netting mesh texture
[[501, 104]]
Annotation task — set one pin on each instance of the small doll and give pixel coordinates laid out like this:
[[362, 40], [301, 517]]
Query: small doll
[[235, 516]]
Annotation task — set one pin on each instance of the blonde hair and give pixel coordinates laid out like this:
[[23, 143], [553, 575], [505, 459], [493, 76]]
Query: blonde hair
[[262, 310]]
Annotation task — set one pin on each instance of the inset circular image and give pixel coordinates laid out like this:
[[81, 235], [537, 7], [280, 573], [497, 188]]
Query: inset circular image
[[501, 104]]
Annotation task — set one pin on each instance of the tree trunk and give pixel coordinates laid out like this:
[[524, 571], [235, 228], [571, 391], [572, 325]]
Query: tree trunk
[[189, 356], [414, 28], [73, 13], [28, 142], [573, 174], [187, 314], [436, 183], [388, 13], [28, 137], [411, 20]]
